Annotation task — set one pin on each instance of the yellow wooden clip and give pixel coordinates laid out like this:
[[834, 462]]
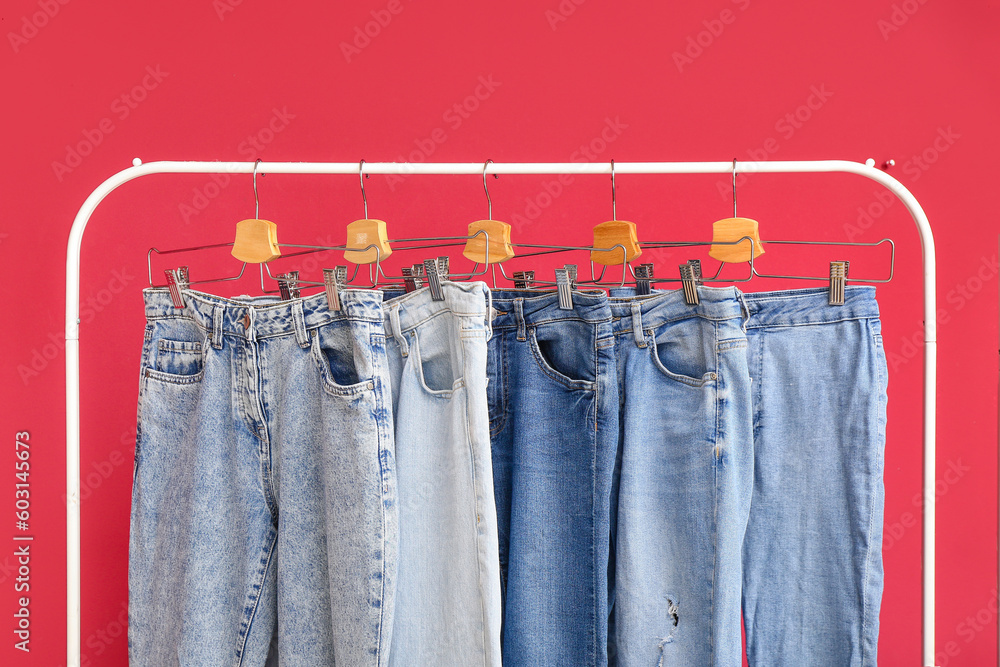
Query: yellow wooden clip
[[500, 248], [256, 241], [731, 230], [610, 234], [364, 233]]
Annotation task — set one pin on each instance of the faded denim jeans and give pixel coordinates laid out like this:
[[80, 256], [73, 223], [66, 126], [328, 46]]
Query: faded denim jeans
[[263, 505]]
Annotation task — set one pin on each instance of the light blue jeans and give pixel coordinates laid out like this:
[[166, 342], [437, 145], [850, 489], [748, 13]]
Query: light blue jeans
[[812, 579], [685, 477], [448, 587], [263, 501]]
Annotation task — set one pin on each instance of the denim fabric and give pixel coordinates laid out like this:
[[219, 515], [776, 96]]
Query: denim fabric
[[685, 476], [554, 429], [263, 500], [813, 550], [448, 586]]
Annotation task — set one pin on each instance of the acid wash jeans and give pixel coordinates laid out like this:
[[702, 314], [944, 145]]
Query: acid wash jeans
[[812, 561], [553, 405], [685, 474], [264, 497], [448, 587]]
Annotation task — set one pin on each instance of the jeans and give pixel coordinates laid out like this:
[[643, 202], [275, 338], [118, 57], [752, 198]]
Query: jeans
[[448, 586], [263, 503], [554, 430], [685, 477], [812, 582]]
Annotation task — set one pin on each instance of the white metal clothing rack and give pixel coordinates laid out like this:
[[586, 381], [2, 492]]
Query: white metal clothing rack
[[476, 168]]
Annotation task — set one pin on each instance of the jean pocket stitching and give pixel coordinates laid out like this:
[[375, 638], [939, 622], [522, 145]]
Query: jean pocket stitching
[[330, 386], [705, 380], [445, 394], [174, 378], [551, 372]]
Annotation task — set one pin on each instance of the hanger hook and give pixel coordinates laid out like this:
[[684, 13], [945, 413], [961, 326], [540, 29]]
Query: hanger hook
[[614, 209], [734, 188], [256, 198], [361, 177], [486, 187]]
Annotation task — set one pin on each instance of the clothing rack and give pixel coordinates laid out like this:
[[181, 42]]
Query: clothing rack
[[868, 170]]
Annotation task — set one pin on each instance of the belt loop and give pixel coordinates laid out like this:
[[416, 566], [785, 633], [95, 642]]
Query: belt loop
[[218, 314], [522, 334], [640, 335], [299, 321], [745, 308], [397, 330], [489, 313]]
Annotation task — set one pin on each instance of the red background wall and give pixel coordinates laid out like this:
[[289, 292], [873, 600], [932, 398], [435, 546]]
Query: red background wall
[[89, 86]]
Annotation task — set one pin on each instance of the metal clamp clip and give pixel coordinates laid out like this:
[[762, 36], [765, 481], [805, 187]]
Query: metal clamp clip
[[523, 279], [838, 282], [565, 289], [175, 284], [332, 280], [643, 276], [433, 279], [690, 285]]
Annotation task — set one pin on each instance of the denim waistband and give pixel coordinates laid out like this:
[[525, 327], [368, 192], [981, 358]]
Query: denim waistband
[[808, 306], [538, 307], [413, 308], [716, 303], [271, 316]]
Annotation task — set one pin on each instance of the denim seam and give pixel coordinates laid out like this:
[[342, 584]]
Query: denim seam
[[503, 368], [380, 409], [876, 418], [256, 601], [716, 463], [591, 647], [481, 578], [786, 324], [174, 378], [552, 373], [549, 320]]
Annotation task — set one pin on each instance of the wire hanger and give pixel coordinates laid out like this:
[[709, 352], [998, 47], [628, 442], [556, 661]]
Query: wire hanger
[[737, 240]]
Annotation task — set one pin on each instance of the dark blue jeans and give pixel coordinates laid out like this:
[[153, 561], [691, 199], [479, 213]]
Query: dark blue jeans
[[553, 402]]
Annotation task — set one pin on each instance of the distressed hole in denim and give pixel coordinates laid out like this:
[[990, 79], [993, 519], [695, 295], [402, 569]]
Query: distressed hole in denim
[[675, 619]]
